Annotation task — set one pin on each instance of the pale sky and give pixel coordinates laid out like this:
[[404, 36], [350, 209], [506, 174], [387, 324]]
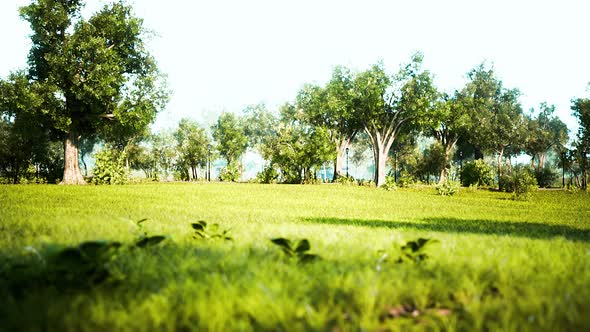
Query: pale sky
[[225, 55]]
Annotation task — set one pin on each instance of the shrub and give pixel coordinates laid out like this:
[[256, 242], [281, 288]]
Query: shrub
[[406, 179], [448, 188], [345, 180], [268, 175], [521, 183], [572, 188], [389, 183], [365, 183], [546, 177], [110, 167], [477, 172], [231, 173]]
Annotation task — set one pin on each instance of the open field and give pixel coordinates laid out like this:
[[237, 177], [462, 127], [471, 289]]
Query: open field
[[499, 264]]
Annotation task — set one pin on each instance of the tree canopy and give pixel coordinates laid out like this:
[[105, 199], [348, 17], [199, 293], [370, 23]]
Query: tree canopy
[[88, 76]]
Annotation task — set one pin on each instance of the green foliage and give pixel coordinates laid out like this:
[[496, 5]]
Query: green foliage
[[497, 122], [83, 266], [92, 76], [477, 172], [260, 125], [204, 231], [430, 163], [448, 188], [399, 101], [546, 133], [298, 149], [229, 133], [110, 167], [191, 143], [572, 188], [346, 180], [365, 183], [415, 251], [406, 180], [268, 175], [296, 249], [389, 183], [521, 183], [25, 138], [231, 173], [546, 177]]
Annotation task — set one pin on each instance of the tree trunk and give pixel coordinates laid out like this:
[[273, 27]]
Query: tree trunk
[[15, 175], [444, 171], [542, 157], [340, 155], [380, 156], [381, 144], [500, 154], [85, 166], [72, 173], [338, 165]]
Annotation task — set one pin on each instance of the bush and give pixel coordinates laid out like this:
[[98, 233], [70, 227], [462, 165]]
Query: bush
[[268, 175], [110, 167], [572, 188], [389, 183], [365, 183], [448, 188], [521, 183], [231, 173], [345, 180], [477, 172], [546, 177], [405, 180]]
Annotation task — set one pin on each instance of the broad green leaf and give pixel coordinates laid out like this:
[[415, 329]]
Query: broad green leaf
[[150, 241], [302, 246]]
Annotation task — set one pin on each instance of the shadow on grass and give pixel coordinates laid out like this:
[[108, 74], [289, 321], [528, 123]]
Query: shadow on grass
[[469, 226]]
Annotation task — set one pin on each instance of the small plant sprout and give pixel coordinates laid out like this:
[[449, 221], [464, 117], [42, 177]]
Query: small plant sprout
[[296, 249], [203, 231], [414, 251]]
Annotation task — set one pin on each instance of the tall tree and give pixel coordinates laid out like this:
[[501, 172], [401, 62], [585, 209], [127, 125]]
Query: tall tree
[[545, 132], [260, 124], [332, 108], [191, 143], [298, 149], [230, 136], [388, 105], [479, 96], [581, 110], [447, 123], [507, 126], [497, 122], [26, 139], [91, 74]]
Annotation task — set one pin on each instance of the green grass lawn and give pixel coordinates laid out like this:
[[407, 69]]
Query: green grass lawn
[[499, 264]]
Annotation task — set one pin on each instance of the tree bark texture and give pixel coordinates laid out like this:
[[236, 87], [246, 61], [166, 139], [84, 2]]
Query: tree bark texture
[[72, 173]]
